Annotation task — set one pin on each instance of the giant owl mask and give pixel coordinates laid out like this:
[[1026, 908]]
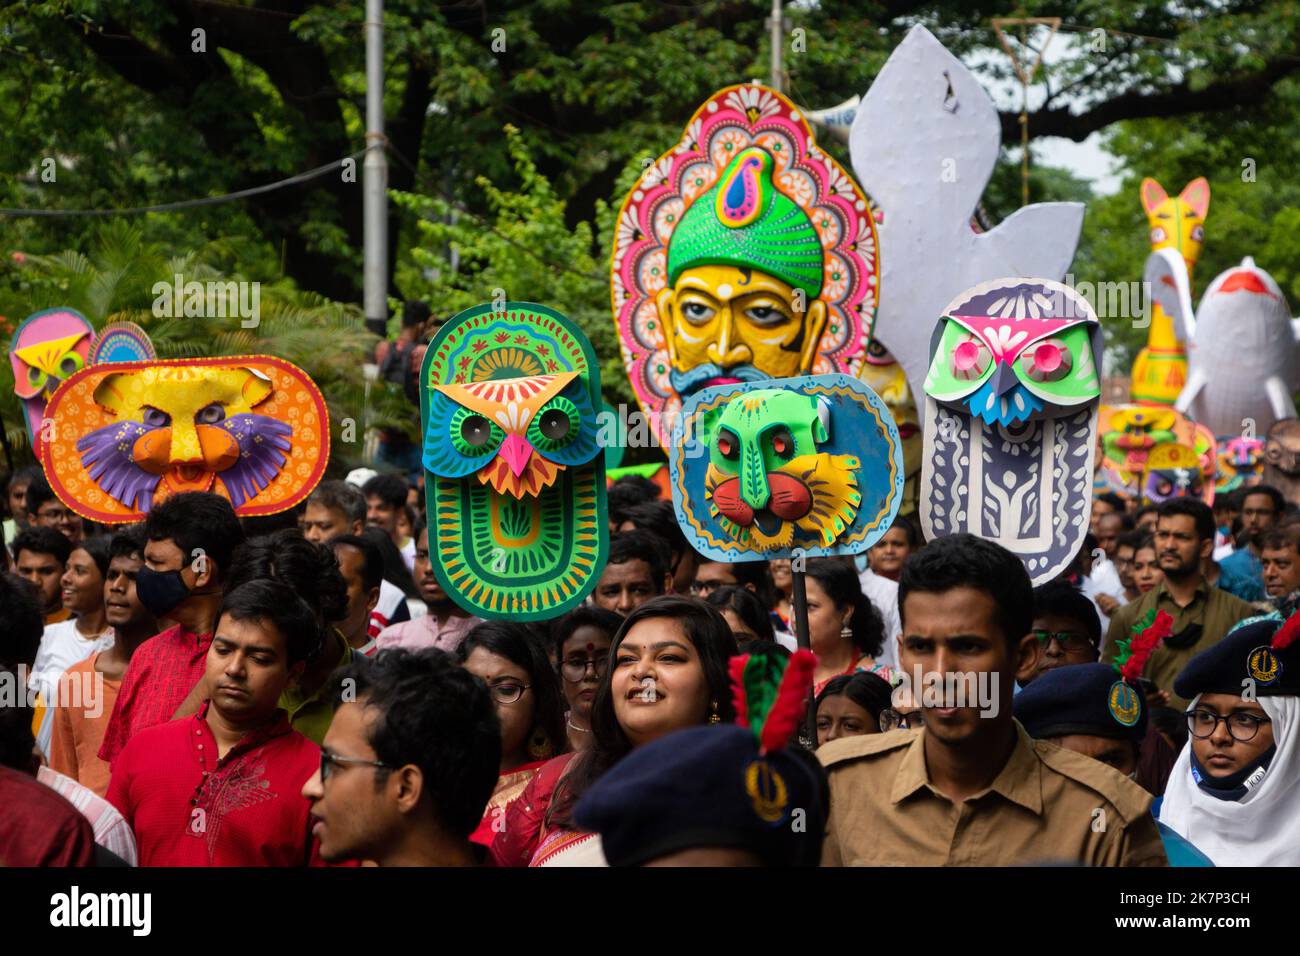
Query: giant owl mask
[[1011, 420], [46, 350], [252, 428], [515, 478], [810, 465]]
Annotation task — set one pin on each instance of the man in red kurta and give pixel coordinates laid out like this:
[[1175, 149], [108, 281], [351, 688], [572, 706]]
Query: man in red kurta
[[190, 538], [223, 787]]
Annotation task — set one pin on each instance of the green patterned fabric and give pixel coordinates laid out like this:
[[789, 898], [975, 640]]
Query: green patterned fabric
[[746, 222]]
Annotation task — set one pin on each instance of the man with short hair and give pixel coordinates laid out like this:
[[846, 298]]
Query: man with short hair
[[190, 539], [385, 498], [17, 500], [362, 569], [1202, 614], [408, 791], [1106, 503], [1067, 627], [223, 786], [1241, 572], [446, 623], [658, 517], [41, 557], [970, 788], [79, 730], [1279, 552], [636, 571], [45, 510], [1125, 548]]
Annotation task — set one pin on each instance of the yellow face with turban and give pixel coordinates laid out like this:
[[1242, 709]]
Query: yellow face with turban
[[744, 272]]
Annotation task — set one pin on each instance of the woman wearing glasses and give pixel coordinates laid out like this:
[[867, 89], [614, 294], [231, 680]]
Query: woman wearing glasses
[[667, 671], [581, 639], [1235, 790], [509, 659]]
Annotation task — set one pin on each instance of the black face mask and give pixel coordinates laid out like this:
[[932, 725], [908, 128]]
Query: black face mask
[[1233, 786], [1187, 637], [160, 591]]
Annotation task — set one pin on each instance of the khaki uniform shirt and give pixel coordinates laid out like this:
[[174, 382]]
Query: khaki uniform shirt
[[1048, 805], [1214, 609]]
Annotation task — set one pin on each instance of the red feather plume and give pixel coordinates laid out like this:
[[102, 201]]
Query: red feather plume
[[1287, 633], [788, 708], [1145, 643], [736, 667]]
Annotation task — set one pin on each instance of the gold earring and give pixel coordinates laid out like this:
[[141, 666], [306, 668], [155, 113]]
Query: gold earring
[[539, 747], [713, 717], [846, 632]]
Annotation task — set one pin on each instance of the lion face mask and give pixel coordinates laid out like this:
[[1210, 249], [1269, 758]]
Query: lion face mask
[[127, 435]]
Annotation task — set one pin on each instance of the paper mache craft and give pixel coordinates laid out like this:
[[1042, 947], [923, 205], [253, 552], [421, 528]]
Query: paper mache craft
[[1177, 224], [515, 477], [126, 435], [1127, 434], [743, 253], [1240, 463], [924, 144], [1011, 420], [774, 469], [1174, 471], [46, 350], [1282, 458]]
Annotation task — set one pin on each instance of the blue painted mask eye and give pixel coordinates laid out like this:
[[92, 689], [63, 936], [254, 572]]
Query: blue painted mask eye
[[156, 418]]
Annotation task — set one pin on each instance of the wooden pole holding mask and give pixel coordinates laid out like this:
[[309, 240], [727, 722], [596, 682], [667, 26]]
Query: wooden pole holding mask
[[799, 610]]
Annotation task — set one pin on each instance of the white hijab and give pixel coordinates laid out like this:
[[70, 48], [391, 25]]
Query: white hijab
[[1263, 827]]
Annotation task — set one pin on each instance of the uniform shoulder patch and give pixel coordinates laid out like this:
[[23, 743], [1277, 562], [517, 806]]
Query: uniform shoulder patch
[[1129, 800], [865, 745]]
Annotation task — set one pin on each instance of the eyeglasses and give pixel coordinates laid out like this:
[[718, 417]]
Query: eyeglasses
[[328, 760], [1068, 640], [705, 587], [575, 668], [508, 693], [891, 719], [1242, 727]]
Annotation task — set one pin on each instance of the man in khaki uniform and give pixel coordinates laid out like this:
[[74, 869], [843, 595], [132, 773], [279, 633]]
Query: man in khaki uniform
[[971, 788], [1202, 614]]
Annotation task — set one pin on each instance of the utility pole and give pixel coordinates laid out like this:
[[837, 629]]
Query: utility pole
[[778, 40], [375, 176]]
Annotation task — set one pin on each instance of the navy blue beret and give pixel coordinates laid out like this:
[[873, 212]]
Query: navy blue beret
[[1082, 699], [1246, 653], [708, 787]]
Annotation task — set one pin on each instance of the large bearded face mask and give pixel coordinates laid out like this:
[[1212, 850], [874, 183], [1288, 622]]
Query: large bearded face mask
[[129, 434], [812, 464], [1011, 420], [515, 475]]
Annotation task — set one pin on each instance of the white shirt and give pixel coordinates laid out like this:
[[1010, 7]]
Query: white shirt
[[62, 645], [408, 554], [883, 594]]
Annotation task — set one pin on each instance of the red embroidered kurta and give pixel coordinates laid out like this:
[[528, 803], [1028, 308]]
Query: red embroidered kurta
[[162, 672], [188, 808]]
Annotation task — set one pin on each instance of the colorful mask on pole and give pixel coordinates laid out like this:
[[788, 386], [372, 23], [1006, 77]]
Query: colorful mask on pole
[[121, 342], [515, 479], [743, 253], [886, 378], [1241, 463], [46, 350], [1129, 432], [1011, 420], [1160, 369], [775, 469], [127, 435], [1174, 471]]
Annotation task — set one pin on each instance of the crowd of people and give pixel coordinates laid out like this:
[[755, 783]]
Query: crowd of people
[[201, 690]]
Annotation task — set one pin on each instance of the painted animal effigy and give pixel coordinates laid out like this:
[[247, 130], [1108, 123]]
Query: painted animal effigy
[[1174, 471], [46, 350], [925, 142], [743, 253], [1127, 434], [1282, 458], [1011, 420], [1177, 224], [515, 477], [886, 378], [127, 435], [810, 465]]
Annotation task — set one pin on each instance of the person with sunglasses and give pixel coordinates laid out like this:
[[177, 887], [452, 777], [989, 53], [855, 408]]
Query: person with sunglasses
[[223, 787], [581, 639], [408, 764], [1235, 789], [1067, 627], [509, 658]]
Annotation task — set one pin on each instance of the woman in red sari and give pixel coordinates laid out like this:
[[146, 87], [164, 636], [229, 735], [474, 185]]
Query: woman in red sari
[[511, 661], [667, 671]]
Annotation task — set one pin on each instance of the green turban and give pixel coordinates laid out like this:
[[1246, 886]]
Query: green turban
[[746, 222]]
